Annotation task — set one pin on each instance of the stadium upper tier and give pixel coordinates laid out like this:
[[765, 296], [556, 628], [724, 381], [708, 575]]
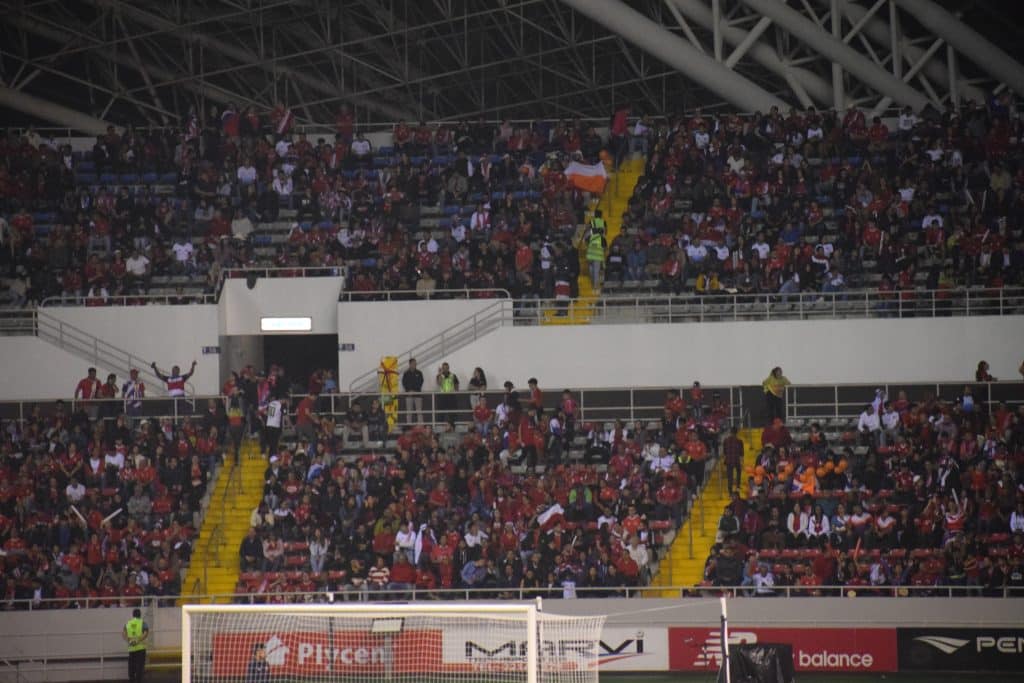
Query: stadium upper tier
[[782, 204]]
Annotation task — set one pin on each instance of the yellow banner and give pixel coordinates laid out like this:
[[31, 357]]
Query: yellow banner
[[387, 378]]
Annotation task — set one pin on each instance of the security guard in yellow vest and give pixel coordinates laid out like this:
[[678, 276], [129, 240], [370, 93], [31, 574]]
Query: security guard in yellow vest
[[447, 385], [596, 246], [135, 633]]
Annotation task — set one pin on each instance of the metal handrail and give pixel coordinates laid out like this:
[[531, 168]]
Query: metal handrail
[[217, 534], [655, 308], [436, 347], [269, 271], [413, 295], [130, 300], [92, 348], [834, 407], [412, 593]]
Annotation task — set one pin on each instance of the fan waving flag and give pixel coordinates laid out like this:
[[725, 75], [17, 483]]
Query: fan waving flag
[[587, 177]]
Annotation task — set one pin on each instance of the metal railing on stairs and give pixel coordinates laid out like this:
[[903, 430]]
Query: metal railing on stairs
[[435, 348], [90, 348], [218, 534]]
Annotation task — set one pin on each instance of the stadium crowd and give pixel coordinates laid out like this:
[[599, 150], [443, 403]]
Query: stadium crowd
[[526, 497], [97, 507], [774, 202], [926, 494]]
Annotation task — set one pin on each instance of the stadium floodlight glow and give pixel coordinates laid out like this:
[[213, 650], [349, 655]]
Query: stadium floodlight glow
[[286, 324], [355, 642]]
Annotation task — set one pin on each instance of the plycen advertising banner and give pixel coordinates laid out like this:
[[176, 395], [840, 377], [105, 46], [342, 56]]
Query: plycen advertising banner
[[309, 653], [961, 649], [823, 649]]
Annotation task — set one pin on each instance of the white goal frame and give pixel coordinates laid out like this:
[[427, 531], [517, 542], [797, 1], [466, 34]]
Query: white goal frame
[[528, 612]]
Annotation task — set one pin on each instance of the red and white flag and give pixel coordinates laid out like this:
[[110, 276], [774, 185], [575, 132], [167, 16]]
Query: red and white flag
[[284, 123], [587, 177]]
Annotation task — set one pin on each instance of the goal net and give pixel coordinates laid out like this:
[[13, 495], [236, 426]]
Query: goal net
[[466, 642]]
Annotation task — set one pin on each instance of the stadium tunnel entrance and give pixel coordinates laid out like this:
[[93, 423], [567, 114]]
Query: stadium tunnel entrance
[[299, 354]]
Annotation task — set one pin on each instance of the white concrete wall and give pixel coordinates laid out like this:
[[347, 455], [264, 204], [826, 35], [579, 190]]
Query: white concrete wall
[[723, 353], [35, 369], [317, 297], [166, 335], [96, 632], [380, 329]]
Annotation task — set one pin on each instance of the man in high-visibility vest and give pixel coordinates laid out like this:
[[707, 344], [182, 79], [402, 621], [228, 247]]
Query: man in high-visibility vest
[[596, 246], [135, 633]]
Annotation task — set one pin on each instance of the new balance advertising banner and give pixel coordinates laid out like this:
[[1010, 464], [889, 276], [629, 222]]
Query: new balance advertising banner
[[961, 649], [822, 649]]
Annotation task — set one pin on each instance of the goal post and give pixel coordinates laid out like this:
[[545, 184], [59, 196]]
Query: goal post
[[393, 643]]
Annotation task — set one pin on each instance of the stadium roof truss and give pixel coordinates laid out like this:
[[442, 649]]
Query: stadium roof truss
[[83, 63]]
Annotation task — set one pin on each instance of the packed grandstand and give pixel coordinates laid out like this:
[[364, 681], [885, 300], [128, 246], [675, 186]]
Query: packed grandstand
[[781, 202], [508, 494]]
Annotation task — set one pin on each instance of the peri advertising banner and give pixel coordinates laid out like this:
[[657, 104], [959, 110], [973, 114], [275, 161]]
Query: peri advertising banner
[[822, 649], [961, 649]]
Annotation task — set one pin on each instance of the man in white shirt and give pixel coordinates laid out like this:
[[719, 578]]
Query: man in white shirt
[[74, 491], [458, 232], [246, 173], [114, 459], [474, 536], [183, 253], [283, 185], [763, 580], [274, 416], [638, 553], [696, 253], [701, 137], [761, 247], [906, 122], [932, 219], [361, 147], [890, 424], [282, 148], [869, 426]]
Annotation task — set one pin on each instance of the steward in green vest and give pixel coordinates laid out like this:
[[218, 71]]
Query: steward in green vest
[[135, 633], [596, 246]]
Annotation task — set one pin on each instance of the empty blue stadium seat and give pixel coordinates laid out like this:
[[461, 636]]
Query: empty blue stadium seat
[[169, 178], [150, 178]]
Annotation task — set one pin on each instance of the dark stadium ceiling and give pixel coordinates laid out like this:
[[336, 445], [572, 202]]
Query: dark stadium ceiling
[[150, 62]]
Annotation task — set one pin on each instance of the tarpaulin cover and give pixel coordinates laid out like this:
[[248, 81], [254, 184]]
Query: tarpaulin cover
[[760, 663]]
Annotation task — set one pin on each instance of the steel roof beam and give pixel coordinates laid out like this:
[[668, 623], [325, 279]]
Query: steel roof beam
[[659, 42], [52, 112], [813, 85], [967, 42]]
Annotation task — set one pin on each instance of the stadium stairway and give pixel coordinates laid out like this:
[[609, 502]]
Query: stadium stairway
[[677, 567], [214, 563], [612, 204]]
